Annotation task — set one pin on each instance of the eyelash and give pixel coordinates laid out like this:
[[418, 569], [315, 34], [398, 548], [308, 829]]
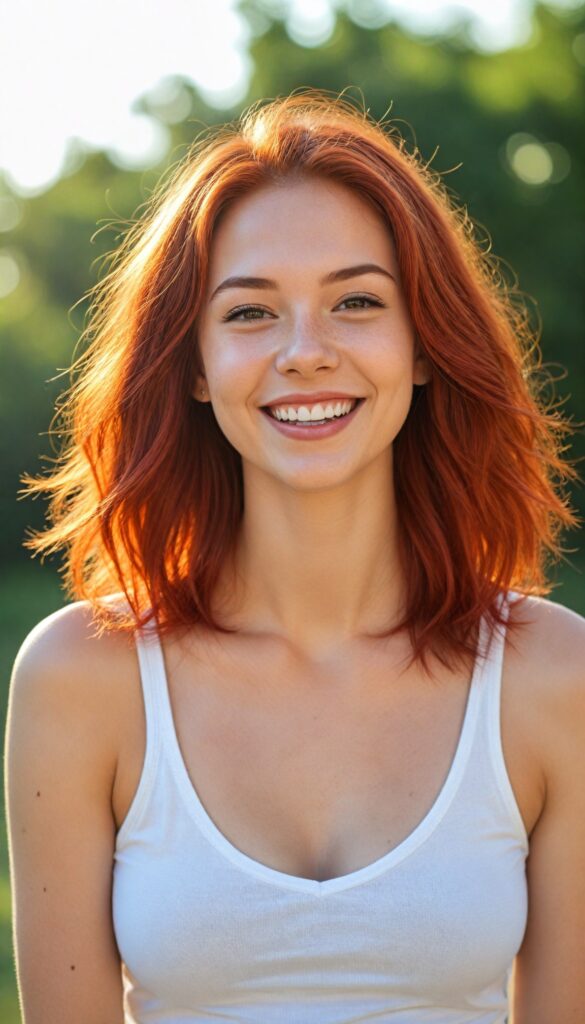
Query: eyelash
[[243, 309], [365, 298]]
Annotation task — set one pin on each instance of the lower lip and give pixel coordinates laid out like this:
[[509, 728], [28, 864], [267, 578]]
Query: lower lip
[[313, 433]]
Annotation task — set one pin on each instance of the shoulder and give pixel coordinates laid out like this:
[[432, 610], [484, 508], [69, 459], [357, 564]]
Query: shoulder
[[66, 668], [548, 641], [67, 641], [546, 658]]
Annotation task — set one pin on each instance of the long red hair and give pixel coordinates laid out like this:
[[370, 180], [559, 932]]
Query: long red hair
[[147, 494]]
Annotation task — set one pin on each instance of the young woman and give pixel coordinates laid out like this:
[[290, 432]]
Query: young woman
[[308, 748]]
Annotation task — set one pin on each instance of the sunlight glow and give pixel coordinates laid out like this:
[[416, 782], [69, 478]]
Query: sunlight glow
[[73, 69], [535, 162], [10, 213], [9, 273]]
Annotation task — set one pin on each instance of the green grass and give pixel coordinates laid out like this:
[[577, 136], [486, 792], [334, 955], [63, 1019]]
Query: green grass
[[28, 594]]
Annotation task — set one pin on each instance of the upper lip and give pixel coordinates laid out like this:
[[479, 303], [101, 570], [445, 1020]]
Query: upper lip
[[318, 396]]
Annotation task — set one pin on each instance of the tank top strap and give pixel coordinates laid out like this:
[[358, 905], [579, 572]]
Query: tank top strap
[[153, 679], [489, 663], [153, 685], [492, 642], [491, 711]]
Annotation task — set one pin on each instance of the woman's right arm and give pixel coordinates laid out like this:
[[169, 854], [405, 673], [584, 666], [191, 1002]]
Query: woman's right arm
[[60, 760]]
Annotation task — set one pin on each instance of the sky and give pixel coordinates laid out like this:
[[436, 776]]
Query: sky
[[72, 69]]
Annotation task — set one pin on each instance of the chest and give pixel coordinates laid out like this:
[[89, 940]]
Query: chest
[[317, 772]]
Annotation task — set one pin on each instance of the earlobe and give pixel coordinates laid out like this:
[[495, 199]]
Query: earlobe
[[422, 370], [422, 375], [199, 391]]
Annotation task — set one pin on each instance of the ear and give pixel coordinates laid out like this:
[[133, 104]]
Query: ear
[[422, 371], [200, 392]]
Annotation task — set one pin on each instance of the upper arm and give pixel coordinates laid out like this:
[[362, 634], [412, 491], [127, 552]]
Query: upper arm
[[60, 759], [549, 972]]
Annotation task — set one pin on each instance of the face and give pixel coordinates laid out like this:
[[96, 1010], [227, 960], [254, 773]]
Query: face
[[322, 315]]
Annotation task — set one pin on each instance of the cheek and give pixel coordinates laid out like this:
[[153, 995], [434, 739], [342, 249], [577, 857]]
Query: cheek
[[235, 387], [390, 360], [391, 371], [231, 370]]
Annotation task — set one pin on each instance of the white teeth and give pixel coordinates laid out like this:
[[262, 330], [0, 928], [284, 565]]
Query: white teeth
[[316, 413]]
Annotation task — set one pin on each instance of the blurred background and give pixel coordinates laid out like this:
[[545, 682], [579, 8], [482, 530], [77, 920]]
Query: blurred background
[[98, 100]]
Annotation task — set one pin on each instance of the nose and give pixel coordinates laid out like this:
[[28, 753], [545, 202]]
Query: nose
[[308, 347]]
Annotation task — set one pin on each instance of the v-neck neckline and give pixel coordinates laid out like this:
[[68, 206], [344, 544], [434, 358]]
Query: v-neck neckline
[[403, 849]]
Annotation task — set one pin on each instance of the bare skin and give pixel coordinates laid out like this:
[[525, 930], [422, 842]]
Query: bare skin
[[311, 747], [307, 501], [319, 769]]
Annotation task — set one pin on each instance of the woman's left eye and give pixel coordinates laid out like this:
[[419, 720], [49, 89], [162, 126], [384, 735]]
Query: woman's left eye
[[363, 302]]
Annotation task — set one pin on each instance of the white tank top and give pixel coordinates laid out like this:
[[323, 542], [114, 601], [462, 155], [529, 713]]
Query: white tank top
[[424, 935]]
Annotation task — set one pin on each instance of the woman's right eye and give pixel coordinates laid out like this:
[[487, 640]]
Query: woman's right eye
[[240, 311]]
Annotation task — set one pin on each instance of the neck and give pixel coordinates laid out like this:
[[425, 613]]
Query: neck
[[319, 567]]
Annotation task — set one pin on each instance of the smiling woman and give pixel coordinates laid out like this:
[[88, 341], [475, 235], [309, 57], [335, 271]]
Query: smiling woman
[[308, 476], [347, 326], [479, 485]]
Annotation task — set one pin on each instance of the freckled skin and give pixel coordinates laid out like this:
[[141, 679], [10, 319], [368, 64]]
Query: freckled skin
[[288, 235]]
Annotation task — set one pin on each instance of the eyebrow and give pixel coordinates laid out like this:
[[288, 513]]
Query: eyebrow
[[335, 275]]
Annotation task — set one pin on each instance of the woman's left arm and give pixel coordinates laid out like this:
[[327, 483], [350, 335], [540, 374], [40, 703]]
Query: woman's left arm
[[549, 971]]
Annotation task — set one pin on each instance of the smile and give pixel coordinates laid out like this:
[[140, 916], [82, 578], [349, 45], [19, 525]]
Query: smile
[[317, 413], [315, 422]]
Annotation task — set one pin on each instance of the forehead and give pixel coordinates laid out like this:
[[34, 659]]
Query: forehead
[[313, 220]]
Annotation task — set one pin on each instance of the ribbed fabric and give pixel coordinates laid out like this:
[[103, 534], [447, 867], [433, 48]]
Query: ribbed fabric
[[424, 935]]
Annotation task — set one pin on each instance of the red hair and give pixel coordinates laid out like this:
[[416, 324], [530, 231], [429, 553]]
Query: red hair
[[147, 495]]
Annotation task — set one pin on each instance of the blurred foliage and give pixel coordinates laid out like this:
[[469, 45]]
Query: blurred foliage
[[479, 119]]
